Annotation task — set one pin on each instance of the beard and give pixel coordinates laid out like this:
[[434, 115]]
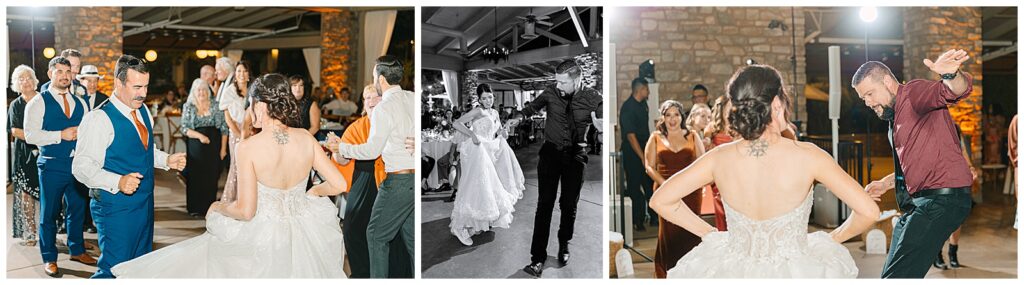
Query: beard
[[888, 113]]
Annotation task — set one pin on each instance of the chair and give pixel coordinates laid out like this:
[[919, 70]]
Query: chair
[[174, 133]]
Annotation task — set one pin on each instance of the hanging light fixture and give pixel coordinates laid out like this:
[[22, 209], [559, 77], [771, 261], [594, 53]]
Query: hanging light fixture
[[151, 55], [493, 52], [49, 52], [201, 53]]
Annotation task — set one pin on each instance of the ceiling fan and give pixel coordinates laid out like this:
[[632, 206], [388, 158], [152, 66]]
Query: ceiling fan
[[530, 22]]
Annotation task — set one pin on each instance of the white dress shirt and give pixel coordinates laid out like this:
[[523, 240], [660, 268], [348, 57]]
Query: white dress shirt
[[391, 123], [91, 102], [94, 137], [34, 112]]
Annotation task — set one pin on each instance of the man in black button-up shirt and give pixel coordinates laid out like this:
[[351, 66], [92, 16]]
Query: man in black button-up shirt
[[571, 110]]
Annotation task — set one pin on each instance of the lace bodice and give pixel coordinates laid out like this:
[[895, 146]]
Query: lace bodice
[[273, 203], [486, 126], [781, 236]]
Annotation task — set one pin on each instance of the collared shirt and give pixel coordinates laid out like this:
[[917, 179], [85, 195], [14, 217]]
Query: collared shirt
[[95, 135], [391, 123], [92, 101], [34, 111], [926, 139], [556, 127]]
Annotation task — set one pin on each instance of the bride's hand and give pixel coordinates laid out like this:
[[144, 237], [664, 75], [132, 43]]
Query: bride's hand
[[476, 139], [410, 145]]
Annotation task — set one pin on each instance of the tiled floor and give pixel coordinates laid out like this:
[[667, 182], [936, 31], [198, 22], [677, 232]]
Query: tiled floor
[[503, 253]]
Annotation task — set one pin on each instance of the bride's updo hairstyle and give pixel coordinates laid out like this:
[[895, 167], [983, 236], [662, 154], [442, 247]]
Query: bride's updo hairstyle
[[751, 91], [274, 90]]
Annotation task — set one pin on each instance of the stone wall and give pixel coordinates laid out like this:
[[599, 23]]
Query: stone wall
[[705, 45], [97, 33], [930, 31], [338, 55]]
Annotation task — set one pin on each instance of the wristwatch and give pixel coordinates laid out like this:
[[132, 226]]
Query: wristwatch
[[950, 76]]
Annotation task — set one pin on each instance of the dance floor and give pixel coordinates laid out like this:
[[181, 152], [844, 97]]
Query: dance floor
[[988, 242], [172, 224], [503, 253]]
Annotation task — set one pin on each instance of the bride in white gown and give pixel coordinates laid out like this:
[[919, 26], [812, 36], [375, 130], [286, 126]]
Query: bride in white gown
[[275, 228], [491, 180], [765, 183]]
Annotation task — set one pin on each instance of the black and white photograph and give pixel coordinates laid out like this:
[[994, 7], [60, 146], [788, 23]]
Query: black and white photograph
[[511, 128]]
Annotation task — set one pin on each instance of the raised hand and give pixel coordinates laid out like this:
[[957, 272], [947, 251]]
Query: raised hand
[[129, 183], [176, 161], [948, 62]]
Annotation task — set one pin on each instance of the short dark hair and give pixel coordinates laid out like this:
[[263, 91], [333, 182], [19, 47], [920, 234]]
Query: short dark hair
[[346, 90], [700, 87], [58, 60], [296, 78], [872, 69], [570, 67], [70, 53], [126, 62], [637, 83], [483, 88], [390, 67]]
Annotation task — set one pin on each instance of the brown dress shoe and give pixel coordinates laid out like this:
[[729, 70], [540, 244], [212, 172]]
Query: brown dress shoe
[[50, 268], [84, 259]]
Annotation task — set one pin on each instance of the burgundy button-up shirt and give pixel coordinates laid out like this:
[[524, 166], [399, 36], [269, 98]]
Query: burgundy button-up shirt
[[925, 137]]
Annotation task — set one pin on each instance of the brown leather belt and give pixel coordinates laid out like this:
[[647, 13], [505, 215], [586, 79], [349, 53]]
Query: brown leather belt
[[404, 171]]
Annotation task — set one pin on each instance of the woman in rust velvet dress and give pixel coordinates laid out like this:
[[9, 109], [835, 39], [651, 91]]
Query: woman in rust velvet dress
[[670, 149]]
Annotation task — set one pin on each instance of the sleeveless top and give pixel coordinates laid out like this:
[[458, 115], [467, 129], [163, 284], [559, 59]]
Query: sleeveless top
[[670, 162]]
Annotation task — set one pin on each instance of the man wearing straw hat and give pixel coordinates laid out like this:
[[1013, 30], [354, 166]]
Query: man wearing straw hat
[[90, 77]]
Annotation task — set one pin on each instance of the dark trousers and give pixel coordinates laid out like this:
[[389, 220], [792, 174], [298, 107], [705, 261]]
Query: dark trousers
[[201, 186], [57, 186], [427, 163], [556, 166], [391, 220], [638, 188], [358, 210], [920, 233]]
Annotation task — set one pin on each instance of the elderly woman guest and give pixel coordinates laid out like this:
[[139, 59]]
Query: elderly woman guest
[[24, 174], [207, 134]]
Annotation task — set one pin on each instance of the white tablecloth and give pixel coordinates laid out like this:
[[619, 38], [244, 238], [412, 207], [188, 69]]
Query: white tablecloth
[[436, 149]]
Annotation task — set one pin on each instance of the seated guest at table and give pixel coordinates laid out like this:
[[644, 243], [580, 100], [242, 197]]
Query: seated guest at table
[[207, 134], [309, 111], [340, 107], [169, 102]]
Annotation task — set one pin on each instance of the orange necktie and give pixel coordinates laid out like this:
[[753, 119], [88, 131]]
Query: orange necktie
[[67, 107], [142, 129]]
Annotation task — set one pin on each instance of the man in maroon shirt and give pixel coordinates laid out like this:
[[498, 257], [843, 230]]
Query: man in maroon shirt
[[932, 180]]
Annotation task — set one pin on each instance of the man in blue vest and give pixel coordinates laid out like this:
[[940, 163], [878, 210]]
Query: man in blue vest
[[51, 123], [115, 159]]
